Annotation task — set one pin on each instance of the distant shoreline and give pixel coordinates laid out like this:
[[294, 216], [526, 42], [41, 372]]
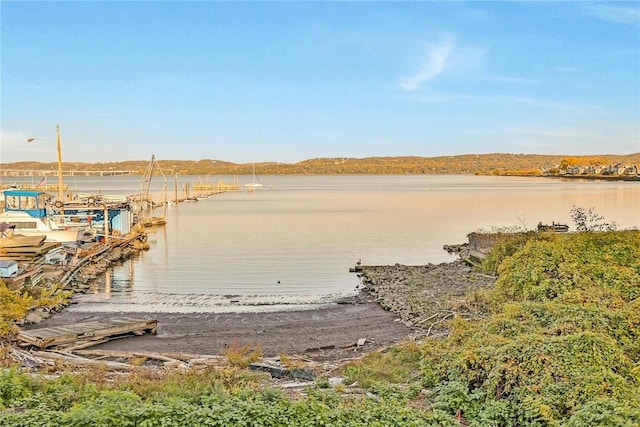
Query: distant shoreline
[[591, 177], [570, 177], [464, 164]]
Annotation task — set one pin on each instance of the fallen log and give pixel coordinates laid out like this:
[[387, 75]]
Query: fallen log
[[128, 355], [27, 359], [81, 361]]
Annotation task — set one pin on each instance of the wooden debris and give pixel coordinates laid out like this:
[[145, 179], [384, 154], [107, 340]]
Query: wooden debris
[[84, 344], [128, 355], [85, 332], [439, 321], [73, 360], [20, 241], [27, 359]]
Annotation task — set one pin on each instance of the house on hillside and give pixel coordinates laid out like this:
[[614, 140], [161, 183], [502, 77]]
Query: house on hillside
[[593, 170], [616, 169], [575, 170]]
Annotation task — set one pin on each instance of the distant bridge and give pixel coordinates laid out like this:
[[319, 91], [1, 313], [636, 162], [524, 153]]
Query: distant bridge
[[34, 172]]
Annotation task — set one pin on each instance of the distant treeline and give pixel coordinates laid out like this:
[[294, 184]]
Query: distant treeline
[[479, 164]]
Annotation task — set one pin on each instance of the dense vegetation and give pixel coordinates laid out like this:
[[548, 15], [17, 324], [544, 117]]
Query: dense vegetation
[[14, 306], [560, 345], [510, 164]]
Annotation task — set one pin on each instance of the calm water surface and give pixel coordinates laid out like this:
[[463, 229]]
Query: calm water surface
[[291, 243]]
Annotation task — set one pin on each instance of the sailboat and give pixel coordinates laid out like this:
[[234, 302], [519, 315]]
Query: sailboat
[[145, 200], [255, 183]]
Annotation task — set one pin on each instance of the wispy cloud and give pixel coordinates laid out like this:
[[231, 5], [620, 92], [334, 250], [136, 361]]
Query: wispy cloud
[[619, 14], [437, 60]]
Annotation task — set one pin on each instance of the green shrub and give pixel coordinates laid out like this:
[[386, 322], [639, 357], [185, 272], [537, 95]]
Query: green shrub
[[608, 412], [399, 365], [504, 249], [14, 386], [13, 307], [544, 269], [563, 334]]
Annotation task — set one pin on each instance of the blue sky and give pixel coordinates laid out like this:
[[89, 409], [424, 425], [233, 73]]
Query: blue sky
[[288, 81]]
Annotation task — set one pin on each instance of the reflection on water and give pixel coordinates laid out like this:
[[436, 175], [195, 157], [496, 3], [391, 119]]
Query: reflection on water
[[117, 279], [293, 241]]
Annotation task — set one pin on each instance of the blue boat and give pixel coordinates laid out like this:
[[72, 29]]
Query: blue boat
[[25, 211]]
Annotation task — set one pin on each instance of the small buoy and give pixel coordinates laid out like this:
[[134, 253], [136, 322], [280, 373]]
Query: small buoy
[[278, 282]]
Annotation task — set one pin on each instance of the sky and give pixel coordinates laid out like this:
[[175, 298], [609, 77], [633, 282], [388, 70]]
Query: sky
[[288, 81]]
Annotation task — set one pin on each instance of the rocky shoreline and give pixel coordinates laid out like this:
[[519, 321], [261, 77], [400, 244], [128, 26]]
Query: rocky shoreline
[[424, 296]]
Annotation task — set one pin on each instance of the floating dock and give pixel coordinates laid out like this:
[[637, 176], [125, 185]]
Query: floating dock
[[85, 334]]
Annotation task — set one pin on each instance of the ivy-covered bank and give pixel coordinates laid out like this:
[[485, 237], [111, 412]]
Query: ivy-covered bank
[[559, 344]]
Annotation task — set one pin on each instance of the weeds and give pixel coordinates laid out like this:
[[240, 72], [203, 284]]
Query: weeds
[[399, 365], [242, 355]]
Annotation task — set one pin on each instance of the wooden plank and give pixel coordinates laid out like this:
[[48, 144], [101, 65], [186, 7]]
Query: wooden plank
[[18, 241], [128, 355], [81, 361], [69, 334]]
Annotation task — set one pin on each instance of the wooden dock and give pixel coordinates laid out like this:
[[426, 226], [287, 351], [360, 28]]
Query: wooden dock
[[86, 334]]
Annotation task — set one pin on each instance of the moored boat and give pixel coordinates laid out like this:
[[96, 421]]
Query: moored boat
[[30, 226], [255, 183], [26, 213], [153, 221], [557, 228]]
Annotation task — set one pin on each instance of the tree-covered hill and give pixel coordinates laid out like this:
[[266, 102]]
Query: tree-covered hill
[[498, 163]]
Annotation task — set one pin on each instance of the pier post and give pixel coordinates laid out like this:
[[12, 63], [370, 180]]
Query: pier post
[[106, 224]]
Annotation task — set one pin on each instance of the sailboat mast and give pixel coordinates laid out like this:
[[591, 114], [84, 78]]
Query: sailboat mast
[[176, 189], [60, 183]]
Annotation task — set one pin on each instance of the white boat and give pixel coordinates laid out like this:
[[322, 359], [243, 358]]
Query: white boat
[[26, 213], [27, 225], [255, 183]]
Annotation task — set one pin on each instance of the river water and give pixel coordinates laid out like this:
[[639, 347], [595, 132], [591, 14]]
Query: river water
[[290, 244]]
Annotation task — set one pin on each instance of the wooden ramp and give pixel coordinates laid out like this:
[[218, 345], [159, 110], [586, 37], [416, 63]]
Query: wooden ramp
[[86, 334]]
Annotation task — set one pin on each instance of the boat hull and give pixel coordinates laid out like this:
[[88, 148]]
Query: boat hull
[[27, 225]]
